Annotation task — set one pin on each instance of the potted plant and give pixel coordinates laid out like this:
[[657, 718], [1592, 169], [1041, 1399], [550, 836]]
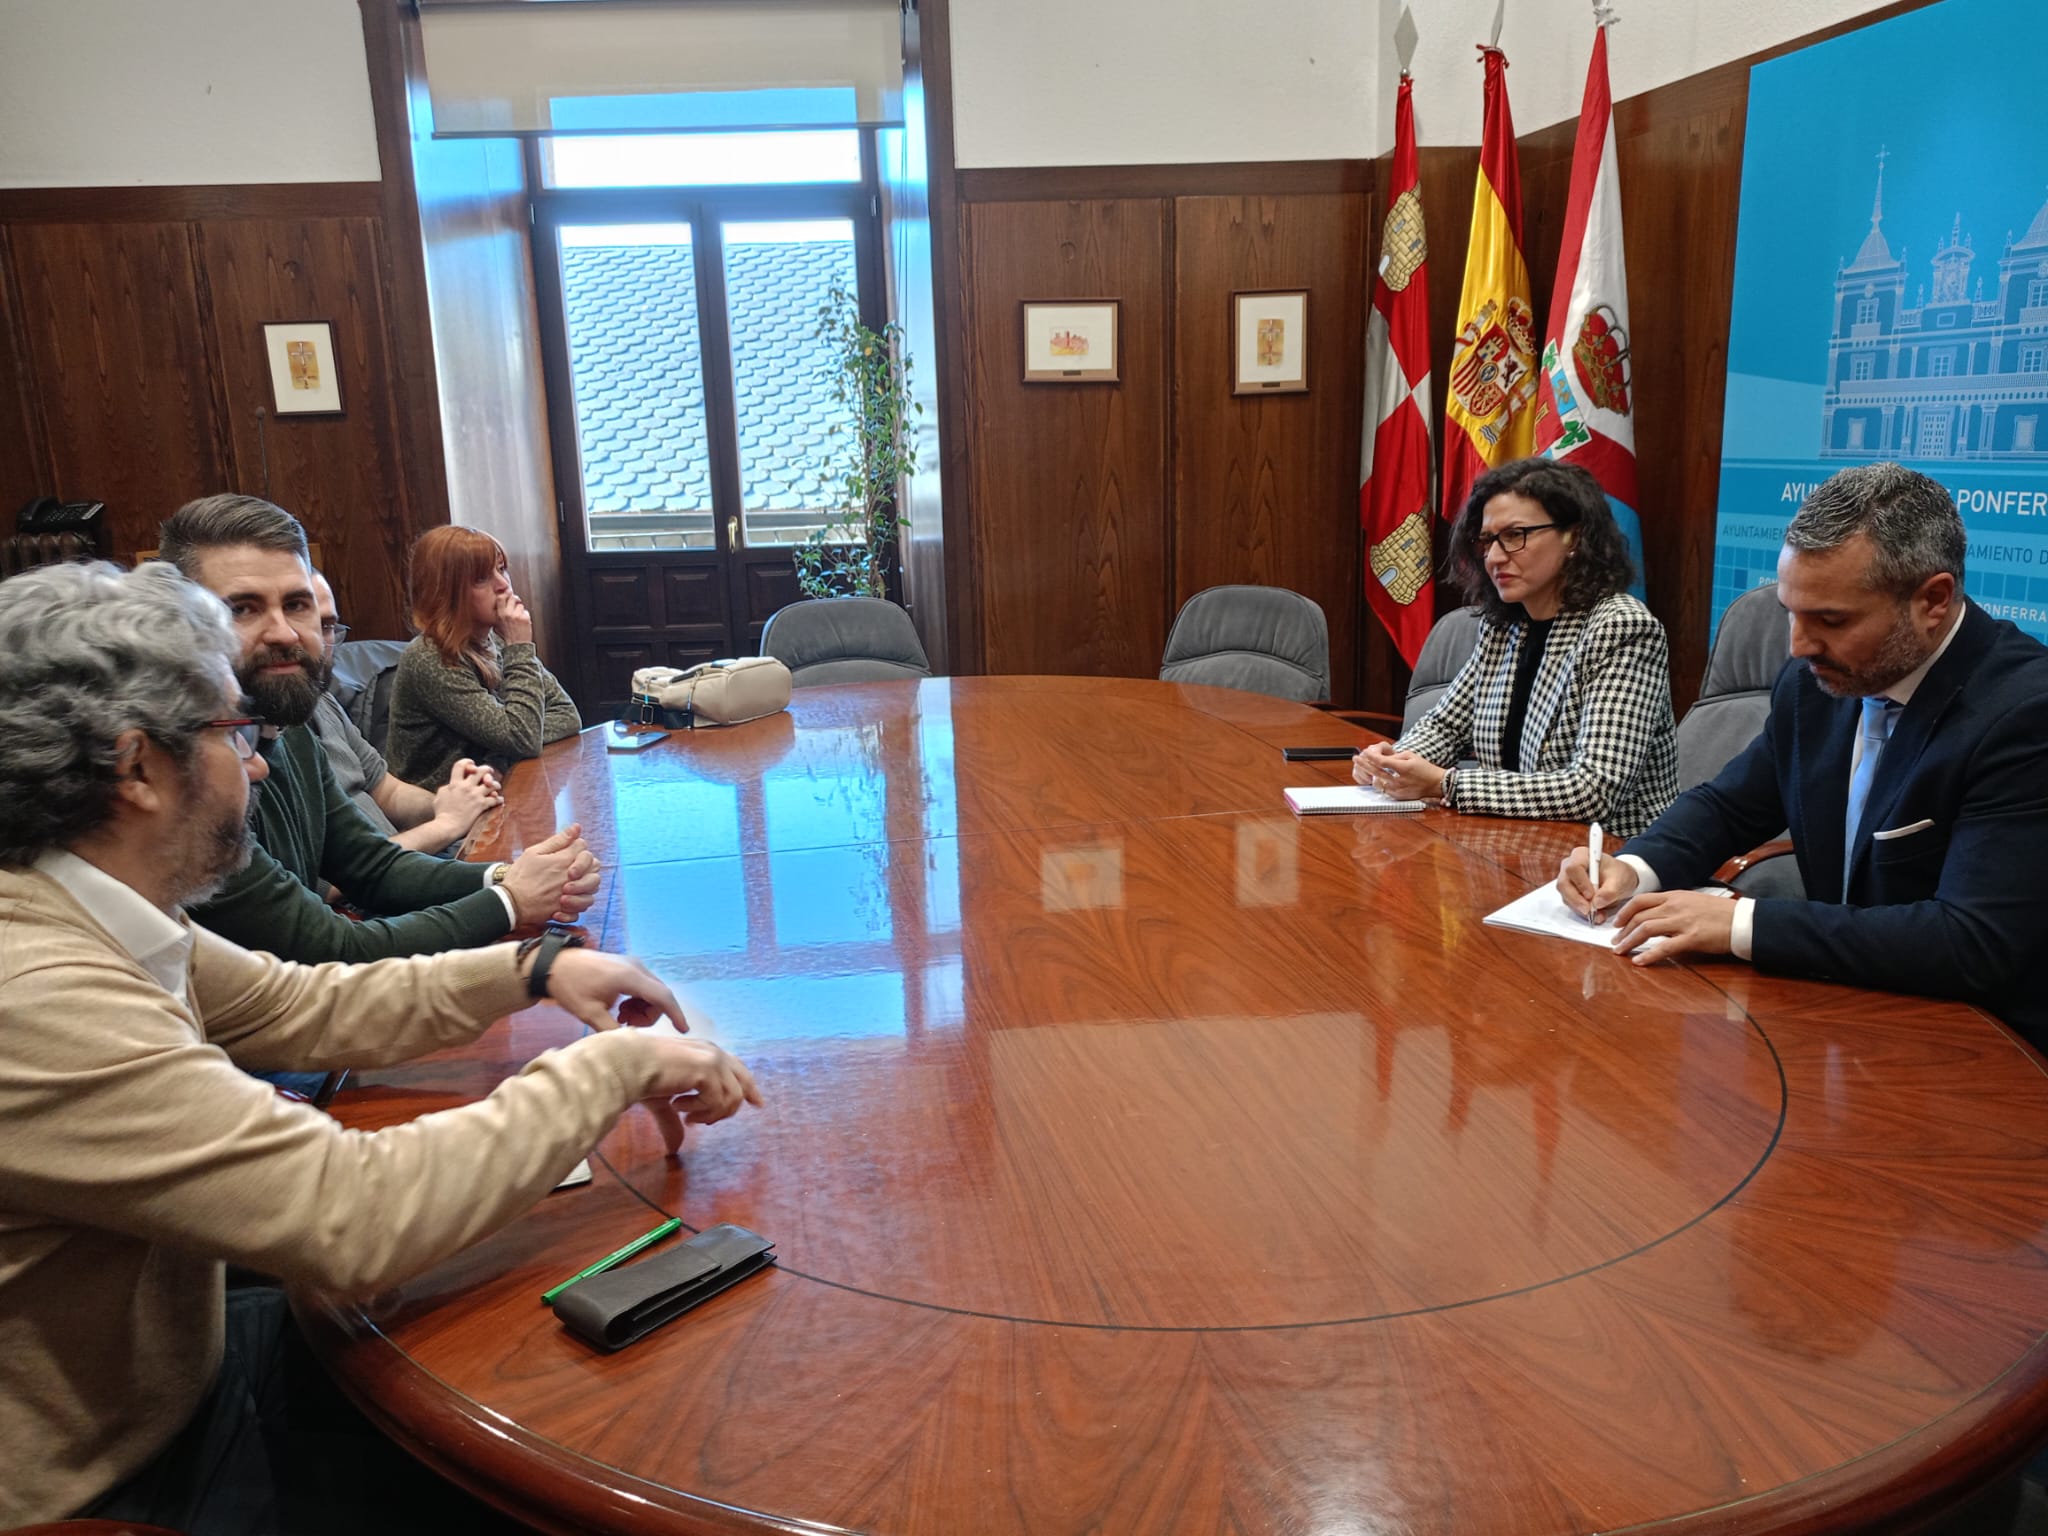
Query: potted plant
[[867, 454]]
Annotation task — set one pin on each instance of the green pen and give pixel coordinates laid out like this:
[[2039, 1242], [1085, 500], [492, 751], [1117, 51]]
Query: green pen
[[672, 1224]]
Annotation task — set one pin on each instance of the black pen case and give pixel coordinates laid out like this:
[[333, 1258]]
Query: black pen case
[[613, 1309]]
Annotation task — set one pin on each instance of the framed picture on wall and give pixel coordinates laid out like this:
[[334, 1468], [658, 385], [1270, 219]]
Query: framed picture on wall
[[1070, 342], [304, 378], [1271, 343]]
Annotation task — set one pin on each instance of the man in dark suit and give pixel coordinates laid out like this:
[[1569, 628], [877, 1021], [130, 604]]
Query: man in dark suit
[[1907, 750]]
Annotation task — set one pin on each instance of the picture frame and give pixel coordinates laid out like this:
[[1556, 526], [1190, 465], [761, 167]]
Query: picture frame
[[305, 376], [1071, 341], [1269, 342]]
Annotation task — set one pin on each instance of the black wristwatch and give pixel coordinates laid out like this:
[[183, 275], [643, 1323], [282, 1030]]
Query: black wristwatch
[[544, 947]]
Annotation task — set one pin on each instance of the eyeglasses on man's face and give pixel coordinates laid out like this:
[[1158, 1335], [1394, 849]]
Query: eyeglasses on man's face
[[333, 632], [1509, 539], [245, 732]]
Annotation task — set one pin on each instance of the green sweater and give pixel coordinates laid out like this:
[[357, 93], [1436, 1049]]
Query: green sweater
[[308, 831], [440, 713]]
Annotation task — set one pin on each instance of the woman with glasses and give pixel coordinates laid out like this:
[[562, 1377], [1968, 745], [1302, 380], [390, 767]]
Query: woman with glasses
[[1563, 711], [471, 684]]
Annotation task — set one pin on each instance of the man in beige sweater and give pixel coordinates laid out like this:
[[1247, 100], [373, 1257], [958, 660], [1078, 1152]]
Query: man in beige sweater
[[138, 1158]]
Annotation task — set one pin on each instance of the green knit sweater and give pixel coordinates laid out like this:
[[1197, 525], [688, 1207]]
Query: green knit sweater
[[440, 713], [308, 831]]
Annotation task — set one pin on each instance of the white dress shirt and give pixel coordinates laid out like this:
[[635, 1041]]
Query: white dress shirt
[[156, 941], [1743, 931]]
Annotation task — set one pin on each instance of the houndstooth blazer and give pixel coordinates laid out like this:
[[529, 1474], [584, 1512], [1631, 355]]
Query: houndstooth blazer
[[1598, 742]]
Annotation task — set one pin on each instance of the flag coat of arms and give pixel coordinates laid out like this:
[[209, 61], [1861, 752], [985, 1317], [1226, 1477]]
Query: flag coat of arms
[[1394, 501], [1490, 416], [1585, 410]]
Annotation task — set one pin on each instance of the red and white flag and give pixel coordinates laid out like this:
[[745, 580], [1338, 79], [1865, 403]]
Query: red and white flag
[[1393, 494], [1585, 402]]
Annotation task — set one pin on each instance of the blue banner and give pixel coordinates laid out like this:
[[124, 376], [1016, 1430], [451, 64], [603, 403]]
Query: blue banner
[[1891, 290]]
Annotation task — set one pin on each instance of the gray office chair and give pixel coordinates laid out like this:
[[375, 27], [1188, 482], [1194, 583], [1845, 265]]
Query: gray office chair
[[1260, 639], [363, 673], [1449, 646], [1750, 650], [844, 640]]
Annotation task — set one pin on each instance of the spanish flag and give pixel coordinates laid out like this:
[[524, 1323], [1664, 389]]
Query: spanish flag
[[1490, 417]]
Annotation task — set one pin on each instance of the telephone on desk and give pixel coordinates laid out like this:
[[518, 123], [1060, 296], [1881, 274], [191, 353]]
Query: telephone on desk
[[48, 531]]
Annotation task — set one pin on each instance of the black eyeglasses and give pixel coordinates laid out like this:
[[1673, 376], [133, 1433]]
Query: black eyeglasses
[[244, 733], [333, 631], [1510, 540]]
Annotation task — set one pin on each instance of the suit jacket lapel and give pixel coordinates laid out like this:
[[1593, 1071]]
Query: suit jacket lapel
[[1553, 674]]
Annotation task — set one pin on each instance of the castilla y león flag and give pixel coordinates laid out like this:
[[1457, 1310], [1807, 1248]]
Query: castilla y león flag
[[1584, 411], [1393, 494], [1490, 416]]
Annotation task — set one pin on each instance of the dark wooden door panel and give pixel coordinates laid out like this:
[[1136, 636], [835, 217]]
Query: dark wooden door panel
[[1070, 480], [693, 594], [111, 323]]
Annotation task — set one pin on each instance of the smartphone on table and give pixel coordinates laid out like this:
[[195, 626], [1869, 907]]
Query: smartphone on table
[[625, 738]]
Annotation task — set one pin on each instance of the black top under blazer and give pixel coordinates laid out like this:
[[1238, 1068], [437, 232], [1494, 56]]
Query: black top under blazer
[[1948, 878], [1598, 742]]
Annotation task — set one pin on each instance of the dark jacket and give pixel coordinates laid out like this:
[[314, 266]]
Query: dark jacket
[[307, 832], [1954, 908]]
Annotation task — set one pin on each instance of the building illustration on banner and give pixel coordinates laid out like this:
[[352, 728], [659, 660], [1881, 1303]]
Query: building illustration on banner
[[1891, 291], [1953, 374]]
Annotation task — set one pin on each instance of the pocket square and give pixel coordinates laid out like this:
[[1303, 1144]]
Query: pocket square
[[1907, 831]]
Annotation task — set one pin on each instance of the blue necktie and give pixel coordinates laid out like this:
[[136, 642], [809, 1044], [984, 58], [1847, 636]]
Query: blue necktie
[[1878, 715]]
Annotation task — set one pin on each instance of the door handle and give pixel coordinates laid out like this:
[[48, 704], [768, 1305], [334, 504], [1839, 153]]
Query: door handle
[[732, 532]]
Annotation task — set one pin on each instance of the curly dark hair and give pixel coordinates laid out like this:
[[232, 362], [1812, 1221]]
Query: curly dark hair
[[1598, 566]]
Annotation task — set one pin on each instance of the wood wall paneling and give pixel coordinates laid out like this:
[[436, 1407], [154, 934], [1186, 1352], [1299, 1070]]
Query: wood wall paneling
[[340, 476], [1266, 487], [24, 444], [117, 357], [1070, 481]]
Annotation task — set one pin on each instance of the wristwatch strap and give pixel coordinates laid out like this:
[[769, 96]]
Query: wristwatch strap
[[544, 947], [613, 1309]]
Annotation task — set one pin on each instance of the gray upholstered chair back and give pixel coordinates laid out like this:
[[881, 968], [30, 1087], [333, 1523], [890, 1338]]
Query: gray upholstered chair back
[[844, 640], [363, 674], [1750, 650], [1449, 646], [1261, 639]]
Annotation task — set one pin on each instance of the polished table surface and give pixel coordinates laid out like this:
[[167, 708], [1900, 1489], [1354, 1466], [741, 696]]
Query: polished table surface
[[1144, 1159]]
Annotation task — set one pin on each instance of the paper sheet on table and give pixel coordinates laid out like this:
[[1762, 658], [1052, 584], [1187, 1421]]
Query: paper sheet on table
[[1542, 911], [580, 1174]]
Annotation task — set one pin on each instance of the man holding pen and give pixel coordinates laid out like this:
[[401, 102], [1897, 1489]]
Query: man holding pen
[[1906, 750], [140, 1159]]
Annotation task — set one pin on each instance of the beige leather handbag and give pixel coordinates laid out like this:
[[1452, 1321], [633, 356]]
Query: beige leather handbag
[[711, 693]]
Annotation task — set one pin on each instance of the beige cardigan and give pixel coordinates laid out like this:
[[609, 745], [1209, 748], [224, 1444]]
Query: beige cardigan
[[136, 1157]]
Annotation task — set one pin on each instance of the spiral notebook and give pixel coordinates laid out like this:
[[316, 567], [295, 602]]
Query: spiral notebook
[[1345, 800]]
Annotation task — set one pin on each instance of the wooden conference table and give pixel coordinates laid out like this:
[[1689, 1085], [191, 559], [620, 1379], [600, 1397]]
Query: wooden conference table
[[1142, 1159]]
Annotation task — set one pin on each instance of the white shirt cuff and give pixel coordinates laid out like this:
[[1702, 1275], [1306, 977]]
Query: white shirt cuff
[[1740, 932], [1646, 877], [511, 912]]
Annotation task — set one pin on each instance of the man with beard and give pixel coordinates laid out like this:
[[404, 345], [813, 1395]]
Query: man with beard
[[138, 1161], [1906, 749], [252, 556], [425, 820]]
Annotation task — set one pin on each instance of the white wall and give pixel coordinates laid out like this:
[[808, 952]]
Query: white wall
[[1115, 82], [168, 92]]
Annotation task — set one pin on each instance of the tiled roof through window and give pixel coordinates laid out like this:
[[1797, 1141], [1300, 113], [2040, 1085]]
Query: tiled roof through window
[[638, 368]]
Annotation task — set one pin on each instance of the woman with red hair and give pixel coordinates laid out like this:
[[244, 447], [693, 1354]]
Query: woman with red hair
[[471, 684]]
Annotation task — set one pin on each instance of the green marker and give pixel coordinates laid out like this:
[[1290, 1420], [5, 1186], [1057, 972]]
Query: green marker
[[672, 1224]]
